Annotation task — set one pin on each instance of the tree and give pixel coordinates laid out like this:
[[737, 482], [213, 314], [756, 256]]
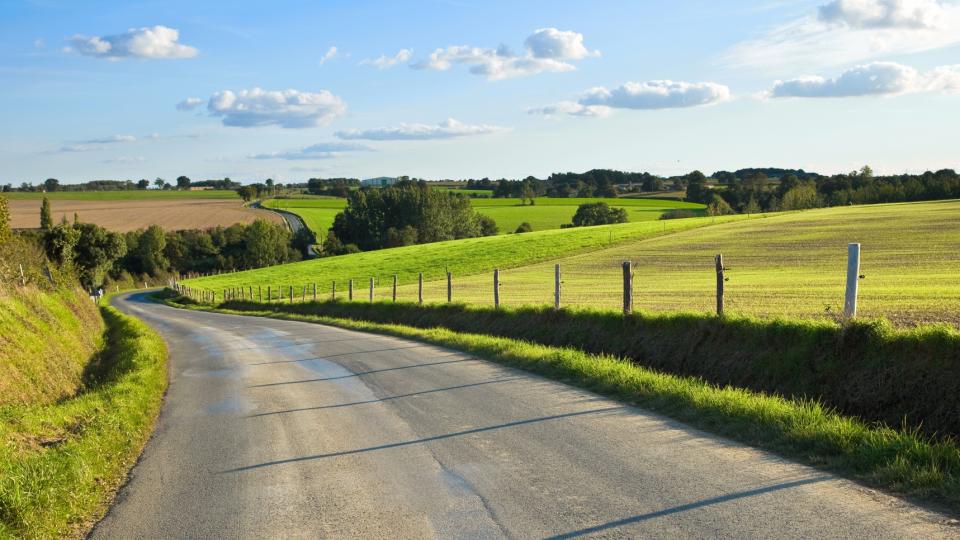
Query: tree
[[719, 207], [488, 227], [265, 244], [598, 213], [697, 190], [60, 241], [800, 197], [524, 228], [96, 251], [159, 182], [247, 193], [269, 183], [302, 240], [183, 182], [51, 184], [143, 184], [149, 251], [753, 207], [46, 215]]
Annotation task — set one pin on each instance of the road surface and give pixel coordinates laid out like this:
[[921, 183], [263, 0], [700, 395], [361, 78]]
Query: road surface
[[285, 429]]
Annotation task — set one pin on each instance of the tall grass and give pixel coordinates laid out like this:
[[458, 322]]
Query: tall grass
[[61, 462]]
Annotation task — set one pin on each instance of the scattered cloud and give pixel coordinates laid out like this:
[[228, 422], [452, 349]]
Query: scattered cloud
[[39, 43], [125, 159], [571, 108], [882, 13], [111, 140], [874, 79], [600, 101], [329, 55], [387, 62], [847, 31], [447, 129], [189, 104], [546, 50], [69, 148], [285, 108], [157, 42], [317, 151]]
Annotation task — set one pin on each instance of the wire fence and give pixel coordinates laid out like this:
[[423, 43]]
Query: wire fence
[[811, 285]]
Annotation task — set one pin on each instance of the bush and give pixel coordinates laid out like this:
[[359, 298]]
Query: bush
[[524, 228], [598, 213]]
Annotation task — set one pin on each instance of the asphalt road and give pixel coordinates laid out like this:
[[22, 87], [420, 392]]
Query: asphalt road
[[285, 429]]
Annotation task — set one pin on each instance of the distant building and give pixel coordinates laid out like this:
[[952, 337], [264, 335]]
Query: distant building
[[380, 181]]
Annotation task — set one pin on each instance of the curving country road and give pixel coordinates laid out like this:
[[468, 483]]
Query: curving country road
[[293, 430]]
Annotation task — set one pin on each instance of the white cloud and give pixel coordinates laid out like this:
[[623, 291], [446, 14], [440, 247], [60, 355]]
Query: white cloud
[[845, 32], [558, 44], [656, 95], [571, 108], [125, 159], [39, 43], [874, 79], [189, 104], [448, 129], [80, 148], [317, 151], [547, 50], [882, 13], [111, 140], [157, 42], [284, 108], [387, 62], [329, 55]]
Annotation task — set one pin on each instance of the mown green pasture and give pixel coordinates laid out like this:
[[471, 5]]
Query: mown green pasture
[[789, 265], [461, 257], [545, 214], [134, 194]]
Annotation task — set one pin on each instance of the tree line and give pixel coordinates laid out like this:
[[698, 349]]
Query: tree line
[[98, 256], [51, 185]]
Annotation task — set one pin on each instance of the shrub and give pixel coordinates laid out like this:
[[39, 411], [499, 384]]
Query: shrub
[[524, 228], [598, 213]]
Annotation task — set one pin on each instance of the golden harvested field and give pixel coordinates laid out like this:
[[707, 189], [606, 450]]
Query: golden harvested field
[[130, 215]]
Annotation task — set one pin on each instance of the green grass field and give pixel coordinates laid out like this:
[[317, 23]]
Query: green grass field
[[123, 195], [791, 265], [461, 257], [787, 265], [546, 214]]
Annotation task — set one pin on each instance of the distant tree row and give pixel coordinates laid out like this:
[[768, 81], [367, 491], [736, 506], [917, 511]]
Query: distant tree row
[[333, 187], [51, 185], [403, 214]]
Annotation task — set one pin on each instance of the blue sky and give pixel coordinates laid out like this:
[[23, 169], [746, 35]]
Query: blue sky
[[462, 88]]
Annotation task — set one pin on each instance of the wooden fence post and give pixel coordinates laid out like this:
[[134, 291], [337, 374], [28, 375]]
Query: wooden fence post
[[853, 281], [496, 288], [371, 290], [291, 294], [303, 294], [333, 290], [260, 293], [420, 288], [350, 290], [720, 283], [449, 287], [250, 288], [23, 278], [269, 294], [627, 287], [394, 287], [556, 287], [314, 292]]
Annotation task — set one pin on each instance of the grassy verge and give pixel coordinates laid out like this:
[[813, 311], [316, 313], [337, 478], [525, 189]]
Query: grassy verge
[[60, 463], [903, 461]]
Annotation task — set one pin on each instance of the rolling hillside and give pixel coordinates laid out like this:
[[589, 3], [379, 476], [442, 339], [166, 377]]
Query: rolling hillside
[[789, 264]]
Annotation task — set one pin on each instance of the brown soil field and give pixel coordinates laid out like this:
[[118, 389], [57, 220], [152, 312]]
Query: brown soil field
[[130, 215]]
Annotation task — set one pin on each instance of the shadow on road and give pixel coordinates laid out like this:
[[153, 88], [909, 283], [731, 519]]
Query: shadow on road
[[390, 398], [690, 506], [362, 373], [422, 440]]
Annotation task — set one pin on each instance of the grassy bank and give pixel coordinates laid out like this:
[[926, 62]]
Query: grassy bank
[[902, 461], [46, 339], [61, 462], [462, 257]]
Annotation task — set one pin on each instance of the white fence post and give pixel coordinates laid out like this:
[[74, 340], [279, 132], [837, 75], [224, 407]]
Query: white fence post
[[853, 281]]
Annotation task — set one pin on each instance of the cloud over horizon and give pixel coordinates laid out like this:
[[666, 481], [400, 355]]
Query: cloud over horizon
[[873, 79], [447, 129], [882, 13], [327, 150], [156, 42], [291, 109], [387, 62], [546, 50], [649, 95]]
